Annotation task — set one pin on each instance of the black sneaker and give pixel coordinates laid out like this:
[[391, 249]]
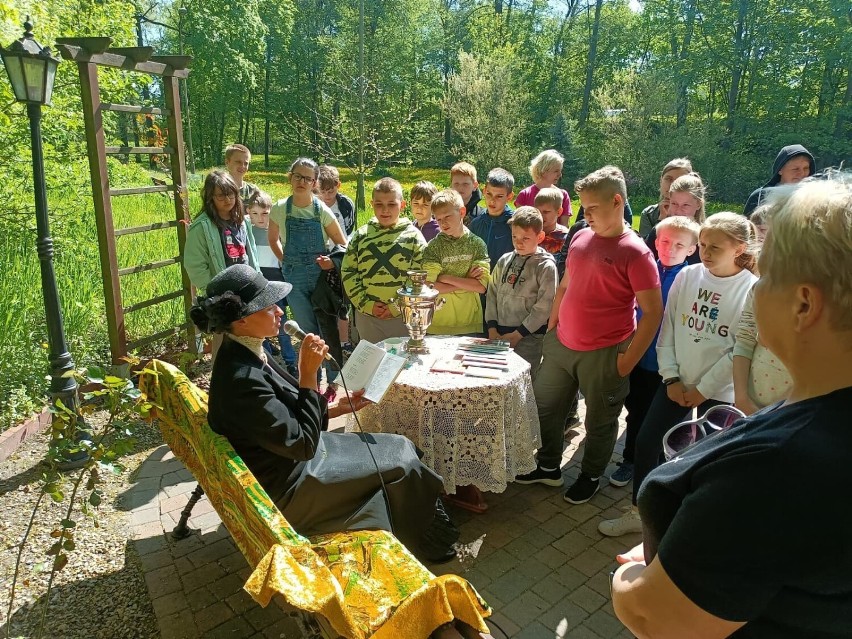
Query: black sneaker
[[582, 490], [539, 476]]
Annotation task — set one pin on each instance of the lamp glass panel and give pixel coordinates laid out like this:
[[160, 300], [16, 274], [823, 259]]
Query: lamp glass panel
[[35, 70], [51, 76], [15, 72]]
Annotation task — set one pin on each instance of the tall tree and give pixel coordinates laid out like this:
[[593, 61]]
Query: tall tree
[[227, 43], [590, 68], [481, 99]]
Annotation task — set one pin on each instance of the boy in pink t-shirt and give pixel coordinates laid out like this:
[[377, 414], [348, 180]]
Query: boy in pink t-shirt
[[596, 341]]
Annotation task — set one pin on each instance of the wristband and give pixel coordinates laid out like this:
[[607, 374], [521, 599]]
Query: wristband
[[670, 381]]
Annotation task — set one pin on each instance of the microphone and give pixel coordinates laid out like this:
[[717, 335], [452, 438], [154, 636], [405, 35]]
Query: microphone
[[292, 328]]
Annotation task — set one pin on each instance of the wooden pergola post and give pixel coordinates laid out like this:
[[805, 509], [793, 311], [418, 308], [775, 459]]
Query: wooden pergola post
[[89, 54]]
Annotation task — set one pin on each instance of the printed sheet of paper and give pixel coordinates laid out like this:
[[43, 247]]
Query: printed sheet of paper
[[361, 365], [448, 365], [383, 377], [479, 364], [477, 371]]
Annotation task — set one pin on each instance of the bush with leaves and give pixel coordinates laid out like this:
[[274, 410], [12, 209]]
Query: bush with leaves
[[489, 113]]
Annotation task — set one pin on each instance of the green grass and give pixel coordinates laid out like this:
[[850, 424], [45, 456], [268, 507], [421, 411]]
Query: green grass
[[23, 336]]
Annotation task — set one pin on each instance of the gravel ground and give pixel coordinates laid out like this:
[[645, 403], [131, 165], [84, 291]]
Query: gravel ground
[[101, 593]]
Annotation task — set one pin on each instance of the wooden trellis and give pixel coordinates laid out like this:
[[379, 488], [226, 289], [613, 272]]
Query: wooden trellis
[[89, 54]]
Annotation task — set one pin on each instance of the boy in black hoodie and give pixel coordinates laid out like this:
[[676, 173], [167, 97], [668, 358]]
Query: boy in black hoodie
[[793, 164]]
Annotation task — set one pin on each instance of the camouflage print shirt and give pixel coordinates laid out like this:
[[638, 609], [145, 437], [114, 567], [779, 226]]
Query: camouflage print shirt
[[376, 262]]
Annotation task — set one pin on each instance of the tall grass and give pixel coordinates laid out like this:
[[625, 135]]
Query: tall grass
[[23, 336]]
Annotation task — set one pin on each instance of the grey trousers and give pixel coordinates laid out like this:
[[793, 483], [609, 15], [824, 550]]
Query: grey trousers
[[530, 349], [375, 330], [562, 372]]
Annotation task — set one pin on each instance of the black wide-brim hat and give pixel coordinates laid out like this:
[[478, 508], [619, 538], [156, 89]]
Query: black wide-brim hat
[[250, 286]]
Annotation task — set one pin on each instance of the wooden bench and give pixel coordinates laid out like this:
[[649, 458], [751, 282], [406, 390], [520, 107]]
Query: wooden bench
[[354, 585]]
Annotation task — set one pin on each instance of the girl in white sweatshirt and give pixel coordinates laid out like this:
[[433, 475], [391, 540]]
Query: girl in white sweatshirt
[[696, 343]]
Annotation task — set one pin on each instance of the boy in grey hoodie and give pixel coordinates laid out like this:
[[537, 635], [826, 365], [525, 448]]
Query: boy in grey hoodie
[[793, 164], [522, 288]]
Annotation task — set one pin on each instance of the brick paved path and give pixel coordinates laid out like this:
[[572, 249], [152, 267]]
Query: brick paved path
[[539, 562]]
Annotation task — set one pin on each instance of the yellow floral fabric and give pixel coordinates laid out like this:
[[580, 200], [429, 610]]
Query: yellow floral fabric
[[365, 583]]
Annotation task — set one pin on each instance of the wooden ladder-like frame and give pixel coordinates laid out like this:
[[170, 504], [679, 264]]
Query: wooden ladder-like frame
[[89, 54]]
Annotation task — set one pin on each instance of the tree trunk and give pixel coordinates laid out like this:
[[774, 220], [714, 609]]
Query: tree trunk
[[739, 64], [123, 134], [590, 68], [824, 88], [240, 130], [683, 80], [844, 113], [220, 139], [360, 195], [558, 44], [266, 81], [247, 127]]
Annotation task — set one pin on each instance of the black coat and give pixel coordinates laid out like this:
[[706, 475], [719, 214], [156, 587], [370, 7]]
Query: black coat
[[321, 482]]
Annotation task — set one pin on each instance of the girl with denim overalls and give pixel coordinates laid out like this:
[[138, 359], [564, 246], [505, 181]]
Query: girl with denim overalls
[[308, 225]]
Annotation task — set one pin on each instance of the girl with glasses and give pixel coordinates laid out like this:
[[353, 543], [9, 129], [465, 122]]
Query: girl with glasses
[[300, 228]]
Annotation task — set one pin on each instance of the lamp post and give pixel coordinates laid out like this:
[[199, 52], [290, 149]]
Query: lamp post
[[32, 70]]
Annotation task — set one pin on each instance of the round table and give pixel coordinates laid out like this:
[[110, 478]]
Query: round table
[[472, 431]]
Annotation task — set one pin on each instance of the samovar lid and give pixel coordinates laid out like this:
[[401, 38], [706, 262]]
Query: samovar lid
[[416, 287]]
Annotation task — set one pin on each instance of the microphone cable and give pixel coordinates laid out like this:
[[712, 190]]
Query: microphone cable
[[366, 443], [292, 328], [376, 464]]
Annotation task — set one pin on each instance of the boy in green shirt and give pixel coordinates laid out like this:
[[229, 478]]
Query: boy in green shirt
[[377, 259], [457, 265]]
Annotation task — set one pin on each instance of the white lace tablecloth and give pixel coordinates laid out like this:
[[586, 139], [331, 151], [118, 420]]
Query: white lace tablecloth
[[472, 431]]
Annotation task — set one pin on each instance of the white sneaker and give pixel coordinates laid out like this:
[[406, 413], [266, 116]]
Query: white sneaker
[[629, 522]]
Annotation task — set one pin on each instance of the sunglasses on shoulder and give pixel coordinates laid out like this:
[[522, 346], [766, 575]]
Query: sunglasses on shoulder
[[716, 420]]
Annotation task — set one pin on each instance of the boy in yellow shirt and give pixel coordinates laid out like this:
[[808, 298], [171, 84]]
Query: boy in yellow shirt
[[457, 265]]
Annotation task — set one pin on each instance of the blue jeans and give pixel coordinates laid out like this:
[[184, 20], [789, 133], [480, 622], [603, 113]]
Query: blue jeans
[[284, 341], [304, 281]]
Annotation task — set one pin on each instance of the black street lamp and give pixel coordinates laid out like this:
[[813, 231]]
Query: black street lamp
[[32, 70]]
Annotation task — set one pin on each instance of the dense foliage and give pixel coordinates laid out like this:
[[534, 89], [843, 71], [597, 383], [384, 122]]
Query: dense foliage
[[727, 83], [492, 81]]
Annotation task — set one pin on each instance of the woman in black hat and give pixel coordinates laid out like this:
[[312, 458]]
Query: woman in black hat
[[322, 482]]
